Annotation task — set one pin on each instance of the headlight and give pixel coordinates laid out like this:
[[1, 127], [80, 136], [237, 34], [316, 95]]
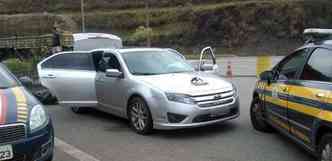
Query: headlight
[[38, 117], [180, 98]]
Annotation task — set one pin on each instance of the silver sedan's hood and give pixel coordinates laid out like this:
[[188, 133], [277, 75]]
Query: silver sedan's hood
[[188, 83]]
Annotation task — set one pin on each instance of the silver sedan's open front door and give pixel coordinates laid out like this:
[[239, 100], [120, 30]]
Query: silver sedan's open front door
[[207, 61]]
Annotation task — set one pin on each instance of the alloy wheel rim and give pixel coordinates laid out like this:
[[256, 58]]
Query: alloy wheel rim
[[139, 116], [327, 153]]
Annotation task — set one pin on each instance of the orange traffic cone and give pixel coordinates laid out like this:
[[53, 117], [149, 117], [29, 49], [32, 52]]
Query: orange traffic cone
[[229, 73]]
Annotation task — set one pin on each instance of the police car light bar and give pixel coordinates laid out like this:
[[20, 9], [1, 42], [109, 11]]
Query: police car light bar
[[316, 34]]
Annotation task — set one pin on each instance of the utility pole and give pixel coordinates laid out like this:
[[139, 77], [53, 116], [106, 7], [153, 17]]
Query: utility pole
[[147, 23], [83, 15]]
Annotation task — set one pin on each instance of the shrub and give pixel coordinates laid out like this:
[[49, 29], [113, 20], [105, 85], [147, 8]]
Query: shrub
[[18, 67], [141, 34]]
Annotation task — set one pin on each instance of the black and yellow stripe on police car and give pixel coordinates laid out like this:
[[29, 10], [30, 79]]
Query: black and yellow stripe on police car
[[298, 106]]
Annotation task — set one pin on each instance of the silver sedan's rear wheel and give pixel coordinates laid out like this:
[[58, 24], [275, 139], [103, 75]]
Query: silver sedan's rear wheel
[[139, 116], [79, 110]]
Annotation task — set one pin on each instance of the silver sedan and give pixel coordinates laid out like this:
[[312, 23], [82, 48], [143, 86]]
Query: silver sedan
[[153, 88]]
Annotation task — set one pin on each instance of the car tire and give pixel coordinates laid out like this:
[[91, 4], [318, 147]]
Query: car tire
[[139, 116], [79, 110], [325, 148], [50, 158], [257, 120]]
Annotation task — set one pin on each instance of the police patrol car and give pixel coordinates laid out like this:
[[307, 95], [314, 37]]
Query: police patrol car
[[26, 131], [295, 97]]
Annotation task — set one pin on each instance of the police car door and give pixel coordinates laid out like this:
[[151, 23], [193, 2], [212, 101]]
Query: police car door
[[308, 95], [277, 102]]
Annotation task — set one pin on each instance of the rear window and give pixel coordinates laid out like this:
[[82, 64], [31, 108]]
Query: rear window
[[78, 61], [7, 80]]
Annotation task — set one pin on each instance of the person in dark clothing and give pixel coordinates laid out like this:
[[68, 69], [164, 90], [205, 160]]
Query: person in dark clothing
[[56, 47]]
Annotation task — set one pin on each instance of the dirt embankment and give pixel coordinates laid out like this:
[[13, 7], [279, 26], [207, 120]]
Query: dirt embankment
[[238, 27], [33, 6]]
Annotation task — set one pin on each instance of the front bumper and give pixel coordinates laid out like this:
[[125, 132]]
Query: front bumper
[[195, 116], [36, 147]]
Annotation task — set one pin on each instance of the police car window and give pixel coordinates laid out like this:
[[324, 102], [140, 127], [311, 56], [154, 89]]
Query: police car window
[[319, 66], [291, 65], [80, 61]]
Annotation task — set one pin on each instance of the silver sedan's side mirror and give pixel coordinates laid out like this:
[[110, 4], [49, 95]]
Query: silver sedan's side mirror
[[207, 67], [204, 67], [115, 73]]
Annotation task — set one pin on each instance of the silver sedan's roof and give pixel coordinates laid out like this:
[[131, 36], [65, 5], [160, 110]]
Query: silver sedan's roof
[[139, 50], [121, 51]]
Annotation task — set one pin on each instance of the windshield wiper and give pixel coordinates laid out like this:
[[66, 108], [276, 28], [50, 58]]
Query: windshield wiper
[[181, 71]]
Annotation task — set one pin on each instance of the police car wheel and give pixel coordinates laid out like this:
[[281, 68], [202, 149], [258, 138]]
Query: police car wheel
[[49, 158], [325, 148], [257, 119], [139, 116], [79, 110]]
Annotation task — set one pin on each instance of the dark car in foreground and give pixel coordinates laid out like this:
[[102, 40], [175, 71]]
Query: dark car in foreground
[[26, 131], [295, 97]]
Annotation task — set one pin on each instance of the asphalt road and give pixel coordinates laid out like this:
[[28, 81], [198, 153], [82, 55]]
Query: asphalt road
[[108, 138]]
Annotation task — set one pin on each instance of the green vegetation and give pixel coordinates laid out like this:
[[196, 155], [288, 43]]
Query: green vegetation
[[24, 66], [240, 26], [39, 6], [18, 66]]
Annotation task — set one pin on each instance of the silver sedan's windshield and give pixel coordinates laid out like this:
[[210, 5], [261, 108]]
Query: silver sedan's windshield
[[7, 80], [155, 62]]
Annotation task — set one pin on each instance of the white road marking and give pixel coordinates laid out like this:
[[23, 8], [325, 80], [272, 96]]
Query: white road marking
[[73, 151]]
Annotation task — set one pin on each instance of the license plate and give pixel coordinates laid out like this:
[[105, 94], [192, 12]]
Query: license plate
[[6, 152]]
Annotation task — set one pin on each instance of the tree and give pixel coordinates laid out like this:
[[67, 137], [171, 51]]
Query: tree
[[147, 22]]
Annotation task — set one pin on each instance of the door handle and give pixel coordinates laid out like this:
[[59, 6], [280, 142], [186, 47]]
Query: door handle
[[320, 95]]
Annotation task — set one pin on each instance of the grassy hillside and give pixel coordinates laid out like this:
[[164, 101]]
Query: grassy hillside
[[240, 26], [29, 6]]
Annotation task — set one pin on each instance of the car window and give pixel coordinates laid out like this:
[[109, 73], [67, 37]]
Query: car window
[[97, 57], [70, 61], [319, 66], [109, 61], [155, 63], [290, 66]]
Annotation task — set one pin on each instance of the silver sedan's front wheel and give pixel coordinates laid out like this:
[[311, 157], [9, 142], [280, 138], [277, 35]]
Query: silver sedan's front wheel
[[139, 116]]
